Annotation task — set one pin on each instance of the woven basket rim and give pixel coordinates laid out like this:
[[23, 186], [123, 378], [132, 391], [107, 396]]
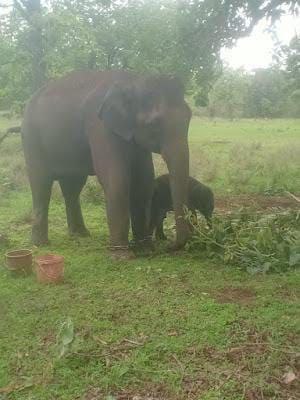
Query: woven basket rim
[[49, 259], [22, 253]]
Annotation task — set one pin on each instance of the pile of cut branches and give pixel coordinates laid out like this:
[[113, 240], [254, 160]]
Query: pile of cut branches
[[251, 240]]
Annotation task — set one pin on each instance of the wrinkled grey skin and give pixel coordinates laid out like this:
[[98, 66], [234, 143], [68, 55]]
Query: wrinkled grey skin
[[107, 124], [200, 197]]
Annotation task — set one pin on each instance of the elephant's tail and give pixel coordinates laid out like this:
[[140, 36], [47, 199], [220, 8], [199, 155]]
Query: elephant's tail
[[13, 129]]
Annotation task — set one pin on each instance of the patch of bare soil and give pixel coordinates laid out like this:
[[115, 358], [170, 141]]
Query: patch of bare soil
[[93, 394], [192, 388], [226, 204], [254, 394], [242, 296], [288, 293], [157, 392]]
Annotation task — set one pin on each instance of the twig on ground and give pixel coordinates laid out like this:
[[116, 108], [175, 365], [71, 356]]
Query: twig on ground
[[293, 196], [133, 342]]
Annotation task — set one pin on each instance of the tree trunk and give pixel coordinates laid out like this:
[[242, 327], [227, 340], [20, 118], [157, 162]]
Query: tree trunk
[[31, 11]]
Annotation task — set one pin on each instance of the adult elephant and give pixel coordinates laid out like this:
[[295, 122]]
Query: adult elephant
[[107, 124]]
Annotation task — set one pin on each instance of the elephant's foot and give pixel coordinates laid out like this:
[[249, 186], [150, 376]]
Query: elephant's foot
[[121, 253], [144, 246], [39, 235], [176, 246], [39, 240], [82, 231]]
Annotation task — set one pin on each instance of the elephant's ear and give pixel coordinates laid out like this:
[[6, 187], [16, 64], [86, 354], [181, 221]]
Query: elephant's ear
[[174, 89], [116, 111]]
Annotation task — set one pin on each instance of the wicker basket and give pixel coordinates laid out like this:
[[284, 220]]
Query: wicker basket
[[19, 262], [49, 268]]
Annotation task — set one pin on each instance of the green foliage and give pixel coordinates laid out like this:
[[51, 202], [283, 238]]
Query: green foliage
[[292, 57], [251, 240], [39, 42], [267, 96], [266, 93], [206, 26], [228, 95], [14, 74]]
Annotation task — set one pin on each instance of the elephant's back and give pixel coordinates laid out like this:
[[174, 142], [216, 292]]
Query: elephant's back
[[53, 118], [57, 105], [79, 83]]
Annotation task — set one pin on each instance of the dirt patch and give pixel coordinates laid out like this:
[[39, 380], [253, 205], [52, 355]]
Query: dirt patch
[[48, 339], [192, 388], [254, 344], [93, 394], [157, 392], [288, 293], [254, 394], [224, 204], [243, 296], [239, 354]]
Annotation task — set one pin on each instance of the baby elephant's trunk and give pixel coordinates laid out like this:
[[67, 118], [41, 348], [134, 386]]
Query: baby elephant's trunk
[[202, 199]]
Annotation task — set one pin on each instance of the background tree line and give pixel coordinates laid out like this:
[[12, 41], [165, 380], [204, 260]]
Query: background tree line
[[43, 40], [265, 93]]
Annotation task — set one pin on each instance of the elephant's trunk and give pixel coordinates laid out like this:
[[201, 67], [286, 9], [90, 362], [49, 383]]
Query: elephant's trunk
[[177, 159]]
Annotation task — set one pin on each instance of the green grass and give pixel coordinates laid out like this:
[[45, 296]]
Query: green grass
[[242, 156], [161, 327], [247, 156], [256, 156]]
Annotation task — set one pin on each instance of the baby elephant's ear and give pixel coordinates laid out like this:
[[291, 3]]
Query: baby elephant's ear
[[116, 112]]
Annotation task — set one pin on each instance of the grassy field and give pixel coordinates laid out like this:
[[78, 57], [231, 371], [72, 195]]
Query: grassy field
[[246, 156], [169, 327], [243, 156]]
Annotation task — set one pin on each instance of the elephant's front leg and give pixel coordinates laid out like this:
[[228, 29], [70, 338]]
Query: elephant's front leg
[[141, 190], [117, 210], [112, 166]]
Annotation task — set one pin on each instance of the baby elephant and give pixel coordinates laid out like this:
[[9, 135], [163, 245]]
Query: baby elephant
[[200, 197]]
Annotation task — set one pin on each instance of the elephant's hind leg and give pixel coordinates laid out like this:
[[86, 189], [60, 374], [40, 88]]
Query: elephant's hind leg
[[41, 181], [41, 192], [71, 187]]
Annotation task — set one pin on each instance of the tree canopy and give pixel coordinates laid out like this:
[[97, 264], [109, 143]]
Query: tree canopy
[[40, 41]]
